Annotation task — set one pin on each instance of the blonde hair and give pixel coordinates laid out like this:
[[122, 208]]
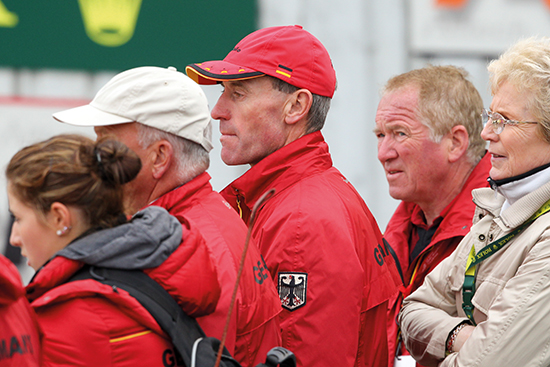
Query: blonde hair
[[446, 99], [75, 170], [526, 65]]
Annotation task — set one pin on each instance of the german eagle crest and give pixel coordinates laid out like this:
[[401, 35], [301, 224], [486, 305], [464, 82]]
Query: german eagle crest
[[292, 290]]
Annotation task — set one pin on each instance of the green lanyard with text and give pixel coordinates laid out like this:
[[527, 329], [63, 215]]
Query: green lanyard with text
[[468, 289]]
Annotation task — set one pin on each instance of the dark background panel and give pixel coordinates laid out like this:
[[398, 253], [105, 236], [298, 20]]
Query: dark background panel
[[51, 34]]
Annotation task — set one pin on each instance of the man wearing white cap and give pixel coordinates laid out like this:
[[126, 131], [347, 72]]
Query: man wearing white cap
[[163, 116], [319, 239]]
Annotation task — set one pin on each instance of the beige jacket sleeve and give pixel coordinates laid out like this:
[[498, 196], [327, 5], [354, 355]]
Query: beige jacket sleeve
[[512, 311]]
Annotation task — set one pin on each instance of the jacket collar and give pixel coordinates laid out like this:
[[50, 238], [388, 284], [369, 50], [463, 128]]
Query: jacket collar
[[184, 196], [57, 271], [517, 187], [303, 157], [495, 184], [519, 212]]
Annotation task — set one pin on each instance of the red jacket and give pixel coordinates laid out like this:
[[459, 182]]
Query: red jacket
[[87, 323], [456, 220], [325, 252], [19, 341], [254, 328]]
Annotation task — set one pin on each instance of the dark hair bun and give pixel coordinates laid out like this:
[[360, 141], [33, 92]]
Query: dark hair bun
[[116, 163]]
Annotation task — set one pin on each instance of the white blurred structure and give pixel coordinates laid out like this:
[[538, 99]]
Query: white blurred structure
[[369, 41]]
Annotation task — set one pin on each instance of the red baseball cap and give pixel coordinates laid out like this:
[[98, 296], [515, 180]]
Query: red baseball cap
[[289, 53]]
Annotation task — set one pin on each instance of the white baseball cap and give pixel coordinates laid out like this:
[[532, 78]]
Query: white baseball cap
[[163, 98]]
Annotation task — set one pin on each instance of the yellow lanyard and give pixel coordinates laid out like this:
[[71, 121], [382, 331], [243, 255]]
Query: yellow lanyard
[[468, 288]]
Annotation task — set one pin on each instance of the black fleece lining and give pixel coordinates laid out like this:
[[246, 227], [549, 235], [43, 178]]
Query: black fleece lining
[[497, 183]]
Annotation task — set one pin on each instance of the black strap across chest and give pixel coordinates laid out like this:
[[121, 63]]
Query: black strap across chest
[[187, 336]]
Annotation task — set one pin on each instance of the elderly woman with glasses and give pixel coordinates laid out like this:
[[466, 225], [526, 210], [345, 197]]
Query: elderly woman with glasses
[[488, 304]]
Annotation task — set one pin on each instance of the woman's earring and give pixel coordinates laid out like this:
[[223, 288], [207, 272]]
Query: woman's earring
[[61, 232]]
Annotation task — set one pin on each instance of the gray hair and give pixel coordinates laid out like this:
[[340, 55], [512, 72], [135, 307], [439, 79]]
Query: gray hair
[[526, 65], [319, 108], [191, 159]]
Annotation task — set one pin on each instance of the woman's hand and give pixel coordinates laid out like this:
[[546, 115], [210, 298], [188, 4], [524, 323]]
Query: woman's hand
[[462, 336]]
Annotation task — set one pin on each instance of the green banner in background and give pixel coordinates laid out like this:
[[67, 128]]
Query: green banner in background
[[120, 34]]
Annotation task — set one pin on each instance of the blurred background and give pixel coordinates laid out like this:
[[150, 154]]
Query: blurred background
[[56, 54]]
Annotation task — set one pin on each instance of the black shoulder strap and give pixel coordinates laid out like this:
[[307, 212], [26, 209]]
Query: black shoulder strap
[[183, 329], [195, 349]]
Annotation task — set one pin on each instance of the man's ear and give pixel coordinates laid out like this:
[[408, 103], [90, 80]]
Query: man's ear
[[458, 142], [163, 155], [298, 106]]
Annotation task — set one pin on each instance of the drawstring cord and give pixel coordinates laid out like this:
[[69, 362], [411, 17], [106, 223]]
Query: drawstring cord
[[260, 202]]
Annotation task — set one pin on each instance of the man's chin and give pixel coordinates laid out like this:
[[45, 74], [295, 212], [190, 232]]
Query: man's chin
[[230, 159], [398, 194]]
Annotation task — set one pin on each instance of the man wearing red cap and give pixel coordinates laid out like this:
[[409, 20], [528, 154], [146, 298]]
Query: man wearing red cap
[[321, 244]]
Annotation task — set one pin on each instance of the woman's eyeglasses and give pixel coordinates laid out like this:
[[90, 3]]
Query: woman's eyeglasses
[[499, 121]]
